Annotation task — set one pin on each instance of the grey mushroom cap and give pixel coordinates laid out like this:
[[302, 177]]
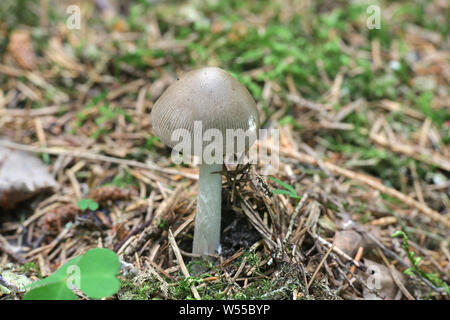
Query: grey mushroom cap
[[210, 95]]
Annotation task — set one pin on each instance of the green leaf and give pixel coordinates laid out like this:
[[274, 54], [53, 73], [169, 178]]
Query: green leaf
[[93, 205], [83, 204], [99, 268], [409, 272], [51, 291], [283, 184], [286, 192], [54, 287], [60, 274], [398, 233], [279, 191], [290, 192]]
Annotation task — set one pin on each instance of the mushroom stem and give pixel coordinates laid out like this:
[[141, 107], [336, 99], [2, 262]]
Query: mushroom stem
[[207, 218]]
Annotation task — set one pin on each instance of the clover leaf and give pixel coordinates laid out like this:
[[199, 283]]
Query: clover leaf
[[99, 269], [94, 273], [84, 204], [54, 287]]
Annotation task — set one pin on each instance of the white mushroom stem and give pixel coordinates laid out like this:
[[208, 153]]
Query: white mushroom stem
[[207, 218]]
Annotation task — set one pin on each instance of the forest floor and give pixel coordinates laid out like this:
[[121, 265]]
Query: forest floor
[[359, 207]]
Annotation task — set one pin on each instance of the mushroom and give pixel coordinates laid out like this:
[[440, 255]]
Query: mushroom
[[203, 103]]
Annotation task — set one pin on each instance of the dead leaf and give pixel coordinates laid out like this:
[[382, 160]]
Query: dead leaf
[[348, 241], [379, 282], [22, 175]]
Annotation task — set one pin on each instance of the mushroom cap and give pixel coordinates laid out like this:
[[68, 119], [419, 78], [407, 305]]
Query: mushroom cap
[[210, 95]]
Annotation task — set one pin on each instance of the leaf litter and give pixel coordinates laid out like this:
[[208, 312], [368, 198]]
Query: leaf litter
[[363, 120]]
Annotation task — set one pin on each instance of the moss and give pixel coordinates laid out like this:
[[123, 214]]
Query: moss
[[131, 290]]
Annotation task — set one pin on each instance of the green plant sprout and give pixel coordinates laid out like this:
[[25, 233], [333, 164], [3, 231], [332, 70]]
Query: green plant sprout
[[415, 269], [84, 204], [288, 190], [93, 273]]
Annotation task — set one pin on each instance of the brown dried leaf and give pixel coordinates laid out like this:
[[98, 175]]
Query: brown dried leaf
[[379, 282], [348, 241], [22, 176], [21, 48]]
